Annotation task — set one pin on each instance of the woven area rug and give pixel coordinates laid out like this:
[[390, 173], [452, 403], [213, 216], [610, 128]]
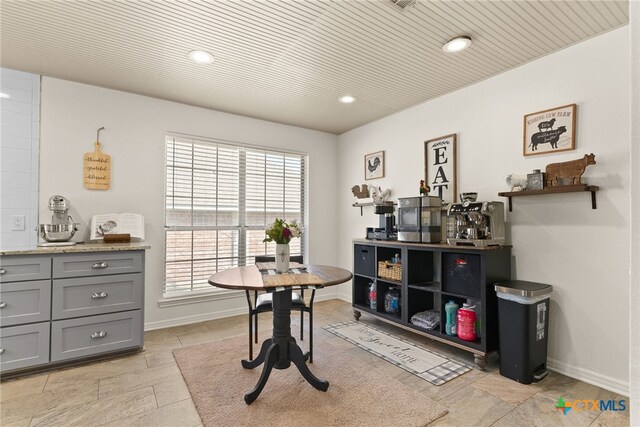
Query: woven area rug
[[357, 394], [426, 364]]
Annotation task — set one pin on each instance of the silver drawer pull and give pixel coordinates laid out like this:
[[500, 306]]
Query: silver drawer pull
[[98, 295], [100, 265], [100, 334], [3, 304], [3, 271], [1, 350]]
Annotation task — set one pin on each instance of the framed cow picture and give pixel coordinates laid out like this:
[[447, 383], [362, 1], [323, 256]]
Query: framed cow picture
[[550, 131]]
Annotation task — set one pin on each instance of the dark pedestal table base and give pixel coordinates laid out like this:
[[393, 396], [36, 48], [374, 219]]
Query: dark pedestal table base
[[280, 350]]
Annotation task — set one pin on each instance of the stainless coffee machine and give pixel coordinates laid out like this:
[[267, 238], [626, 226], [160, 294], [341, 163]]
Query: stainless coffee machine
[[477, 223]]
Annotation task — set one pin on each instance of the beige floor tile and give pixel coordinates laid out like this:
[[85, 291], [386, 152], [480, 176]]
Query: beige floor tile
[[506, 389], [96, 413], [23, 386], [18, 421], [473, 407], [227, 322], [91, 373], [138, 379], [158, 344], [540, 410], [209, 335], [558, 385], [614, 418], [159, 358], [158, 335], [182, 414], [171, 392], [48, 401]]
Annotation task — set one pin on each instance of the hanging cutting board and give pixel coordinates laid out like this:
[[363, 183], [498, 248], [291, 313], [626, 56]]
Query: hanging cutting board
[[97, 169]]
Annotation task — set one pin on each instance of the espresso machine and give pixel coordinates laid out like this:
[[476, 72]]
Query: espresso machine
[[477, 223], [62, 227], [387, 223]]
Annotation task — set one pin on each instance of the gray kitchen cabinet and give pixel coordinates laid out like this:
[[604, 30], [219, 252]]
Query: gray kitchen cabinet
[[24, 346], [86, 336], [25, 302], [67, 304], [85, 296], [20, 268], [97, 264]]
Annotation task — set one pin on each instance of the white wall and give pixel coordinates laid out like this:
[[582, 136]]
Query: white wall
[[19, 139], [557, 239], [135, 127], [634, 285]]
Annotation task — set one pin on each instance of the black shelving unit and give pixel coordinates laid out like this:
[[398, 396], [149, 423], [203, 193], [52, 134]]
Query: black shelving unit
[[432, 275]]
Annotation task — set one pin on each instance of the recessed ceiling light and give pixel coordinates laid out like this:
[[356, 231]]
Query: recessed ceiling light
[[4, 95], [457, 44], [201, 57], [347, 99]]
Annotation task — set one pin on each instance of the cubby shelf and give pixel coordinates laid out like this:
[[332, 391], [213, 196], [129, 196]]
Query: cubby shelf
[[431, 276]]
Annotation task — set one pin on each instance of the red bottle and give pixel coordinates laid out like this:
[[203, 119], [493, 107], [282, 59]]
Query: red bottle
[[467, 323]]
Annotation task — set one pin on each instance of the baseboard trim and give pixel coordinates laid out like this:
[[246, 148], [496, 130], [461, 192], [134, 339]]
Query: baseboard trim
[[220, 314], [589, 376]]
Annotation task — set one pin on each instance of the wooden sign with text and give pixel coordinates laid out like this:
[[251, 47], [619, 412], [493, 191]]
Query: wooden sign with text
[[440, 167], [97, 170]]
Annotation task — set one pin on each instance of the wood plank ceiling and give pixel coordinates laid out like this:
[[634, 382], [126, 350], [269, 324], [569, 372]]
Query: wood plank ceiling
[[289, 61]]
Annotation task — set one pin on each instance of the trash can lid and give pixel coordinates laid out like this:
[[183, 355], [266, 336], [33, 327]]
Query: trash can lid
[[523, 288]]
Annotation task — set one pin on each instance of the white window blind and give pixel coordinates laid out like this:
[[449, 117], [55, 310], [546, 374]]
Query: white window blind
[[220, 198]]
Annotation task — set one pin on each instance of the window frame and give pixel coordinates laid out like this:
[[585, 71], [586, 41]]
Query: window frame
[[178, 297]]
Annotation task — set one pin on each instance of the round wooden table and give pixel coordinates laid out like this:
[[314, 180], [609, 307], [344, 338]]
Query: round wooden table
[[281, 349]]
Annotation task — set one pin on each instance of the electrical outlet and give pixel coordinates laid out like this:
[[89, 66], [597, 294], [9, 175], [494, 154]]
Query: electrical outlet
[[18, 223]]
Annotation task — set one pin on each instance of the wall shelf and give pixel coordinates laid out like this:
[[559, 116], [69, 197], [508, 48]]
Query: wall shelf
[[555, 190], [361, 205]]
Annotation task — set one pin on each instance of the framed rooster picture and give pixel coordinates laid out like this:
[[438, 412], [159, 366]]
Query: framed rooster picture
[[374, 165]]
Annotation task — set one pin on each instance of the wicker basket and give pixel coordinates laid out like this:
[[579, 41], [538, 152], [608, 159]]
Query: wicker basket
[[388, 270]]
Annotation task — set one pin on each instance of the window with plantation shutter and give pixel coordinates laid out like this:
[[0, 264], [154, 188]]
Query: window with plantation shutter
[[220, 198]]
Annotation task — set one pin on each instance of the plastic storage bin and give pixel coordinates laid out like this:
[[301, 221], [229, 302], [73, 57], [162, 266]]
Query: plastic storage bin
[[523, 310]]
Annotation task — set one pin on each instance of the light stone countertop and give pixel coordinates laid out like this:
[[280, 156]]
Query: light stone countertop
[[79, 248]]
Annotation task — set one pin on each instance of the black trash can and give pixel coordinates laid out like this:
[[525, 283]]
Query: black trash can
[[523, 310]]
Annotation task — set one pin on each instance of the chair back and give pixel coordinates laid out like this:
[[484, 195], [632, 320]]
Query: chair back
[[298, 258]]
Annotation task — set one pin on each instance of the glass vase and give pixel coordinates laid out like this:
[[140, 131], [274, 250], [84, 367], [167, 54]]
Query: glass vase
[[282, 258]]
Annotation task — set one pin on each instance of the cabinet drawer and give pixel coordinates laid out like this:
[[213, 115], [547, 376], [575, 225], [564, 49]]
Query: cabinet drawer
[[87, 296], [87, 336], [25, 302], [24, 346], [97, 264], [19, 268], [364, 260]]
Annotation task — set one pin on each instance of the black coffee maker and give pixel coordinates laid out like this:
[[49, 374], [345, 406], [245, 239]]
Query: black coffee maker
[[387, 223]]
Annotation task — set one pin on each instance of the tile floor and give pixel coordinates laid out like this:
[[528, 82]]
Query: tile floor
[[146, 389]]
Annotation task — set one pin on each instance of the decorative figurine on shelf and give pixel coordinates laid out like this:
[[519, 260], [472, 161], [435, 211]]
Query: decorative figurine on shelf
[[535, 180], [360, 194], [569, 172], [424, 189], [379, 196], [516, 182]]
